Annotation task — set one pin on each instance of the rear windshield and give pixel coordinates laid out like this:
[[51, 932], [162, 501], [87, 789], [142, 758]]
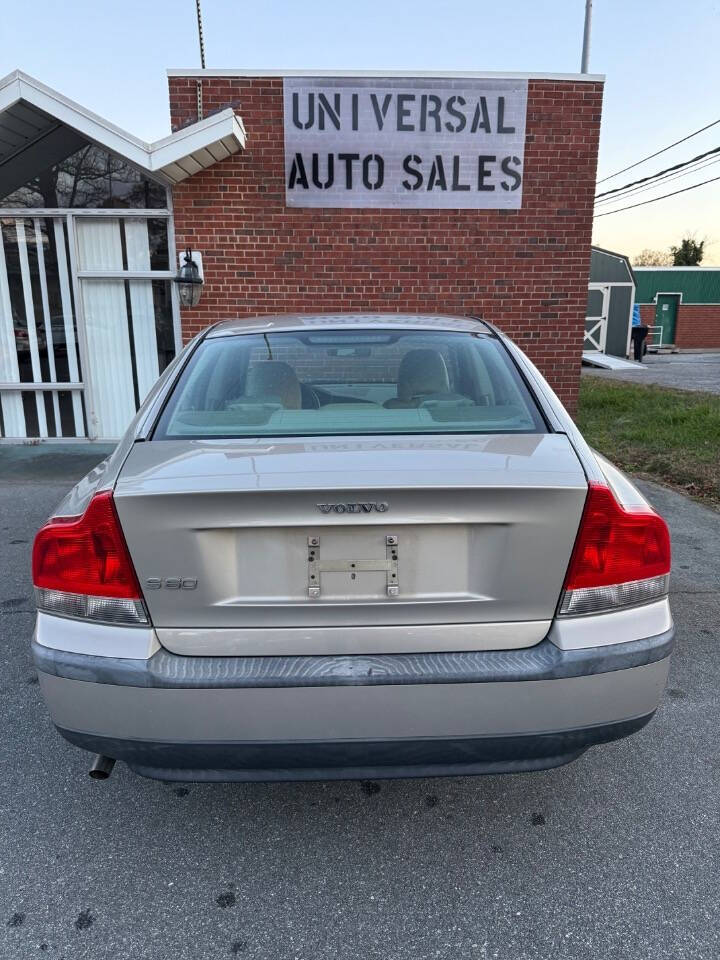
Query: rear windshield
[[346, 382]]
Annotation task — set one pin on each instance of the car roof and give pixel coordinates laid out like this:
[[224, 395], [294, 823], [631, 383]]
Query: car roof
[[299, 321]]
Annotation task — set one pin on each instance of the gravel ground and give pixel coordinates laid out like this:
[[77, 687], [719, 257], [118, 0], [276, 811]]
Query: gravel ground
[[613, 856]]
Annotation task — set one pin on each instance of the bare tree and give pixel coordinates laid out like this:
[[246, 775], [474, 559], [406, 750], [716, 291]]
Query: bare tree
[[652, 258]]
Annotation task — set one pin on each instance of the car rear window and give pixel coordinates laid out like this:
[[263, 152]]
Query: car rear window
[[347, 382]]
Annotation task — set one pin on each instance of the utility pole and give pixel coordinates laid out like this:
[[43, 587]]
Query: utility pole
[[586, 37]]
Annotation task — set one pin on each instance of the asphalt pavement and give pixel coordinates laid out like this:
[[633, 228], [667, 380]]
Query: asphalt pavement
[[614, 856], [685, 371]]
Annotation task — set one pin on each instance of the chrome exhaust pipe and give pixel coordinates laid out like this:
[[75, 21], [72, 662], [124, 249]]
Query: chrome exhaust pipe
[[102, 767]]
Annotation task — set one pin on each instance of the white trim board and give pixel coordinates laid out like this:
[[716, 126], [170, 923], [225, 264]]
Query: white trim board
[[609, 253], [176, 157], [671, 267], [667, 293], [430, 74], [114, 212], [628, 342]]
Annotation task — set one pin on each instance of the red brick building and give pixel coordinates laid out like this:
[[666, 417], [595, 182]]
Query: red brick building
[[454, 193], [525, 269], [681, 305]]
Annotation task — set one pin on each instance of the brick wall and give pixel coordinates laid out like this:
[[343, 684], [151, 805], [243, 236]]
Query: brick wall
[[697, 325], [647, 313], [526, 270]]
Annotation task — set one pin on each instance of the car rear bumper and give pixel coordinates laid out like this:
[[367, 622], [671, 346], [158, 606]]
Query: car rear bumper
[[272, 718]]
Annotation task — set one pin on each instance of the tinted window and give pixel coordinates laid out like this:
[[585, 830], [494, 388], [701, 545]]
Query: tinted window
[[89, 177], [346, 382]]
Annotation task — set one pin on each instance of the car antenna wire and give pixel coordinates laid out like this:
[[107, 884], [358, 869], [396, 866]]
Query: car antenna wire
[[269, 348]]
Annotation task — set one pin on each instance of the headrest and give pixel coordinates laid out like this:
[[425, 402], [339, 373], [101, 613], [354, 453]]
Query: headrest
[[422, 372], [274, 379]]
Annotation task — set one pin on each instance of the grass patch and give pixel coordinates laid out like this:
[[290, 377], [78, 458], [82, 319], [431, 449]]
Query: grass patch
[[656, 432]]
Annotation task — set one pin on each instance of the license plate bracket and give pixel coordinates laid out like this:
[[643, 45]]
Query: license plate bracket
[[389, 565]]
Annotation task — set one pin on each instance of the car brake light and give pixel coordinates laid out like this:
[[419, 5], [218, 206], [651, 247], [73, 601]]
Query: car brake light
[[81, 567], [621, 557]]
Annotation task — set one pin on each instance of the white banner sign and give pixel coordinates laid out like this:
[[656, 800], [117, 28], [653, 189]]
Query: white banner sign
[[369, 142]]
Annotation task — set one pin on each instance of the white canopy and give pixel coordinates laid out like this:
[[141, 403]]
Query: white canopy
[[39, 126]]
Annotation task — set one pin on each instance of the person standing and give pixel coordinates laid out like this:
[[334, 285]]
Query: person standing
[[638, 333]]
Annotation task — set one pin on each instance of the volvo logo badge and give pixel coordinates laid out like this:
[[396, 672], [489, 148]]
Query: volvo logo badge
[[361, 507]]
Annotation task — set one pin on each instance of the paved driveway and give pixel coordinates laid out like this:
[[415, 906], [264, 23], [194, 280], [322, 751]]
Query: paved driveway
[[686, 371], [614, 856]]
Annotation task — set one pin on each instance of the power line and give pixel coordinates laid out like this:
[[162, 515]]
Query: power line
[[655, 199], [658, 152], [668, 178], [660, 173], [659, 183], [677, 176]]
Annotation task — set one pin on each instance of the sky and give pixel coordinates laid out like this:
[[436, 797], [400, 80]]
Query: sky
[[661, 60]]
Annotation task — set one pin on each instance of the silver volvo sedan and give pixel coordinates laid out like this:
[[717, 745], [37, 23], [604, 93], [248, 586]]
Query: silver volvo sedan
[[350, 546]]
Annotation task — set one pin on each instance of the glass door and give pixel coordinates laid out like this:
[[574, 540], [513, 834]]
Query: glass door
[[41, 389], [125, 308], [87, 321], [88, 314]]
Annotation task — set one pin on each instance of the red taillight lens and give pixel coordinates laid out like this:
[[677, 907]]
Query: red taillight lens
[[615, 545], [85, 555]]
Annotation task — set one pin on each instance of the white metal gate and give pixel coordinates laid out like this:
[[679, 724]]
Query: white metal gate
[[88, 318]]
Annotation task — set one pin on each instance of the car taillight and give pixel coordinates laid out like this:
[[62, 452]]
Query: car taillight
[[81, 567], [621, 557]]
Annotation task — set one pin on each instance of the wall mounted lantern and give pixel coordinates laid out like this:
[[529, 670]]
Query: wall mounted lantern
[[189, 280]]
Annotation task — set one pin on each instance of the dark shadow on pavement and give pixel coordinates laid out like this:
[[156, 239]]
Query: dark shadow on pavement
[[50, 462]]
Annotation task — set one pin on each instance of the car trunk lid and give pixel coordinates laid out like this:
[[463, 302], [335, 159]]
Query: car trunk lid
[[238, 542]]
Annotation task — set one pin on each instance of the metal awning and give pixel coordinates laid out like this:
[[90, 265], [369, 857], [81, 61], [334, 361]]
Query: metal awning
[[39, 126]]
